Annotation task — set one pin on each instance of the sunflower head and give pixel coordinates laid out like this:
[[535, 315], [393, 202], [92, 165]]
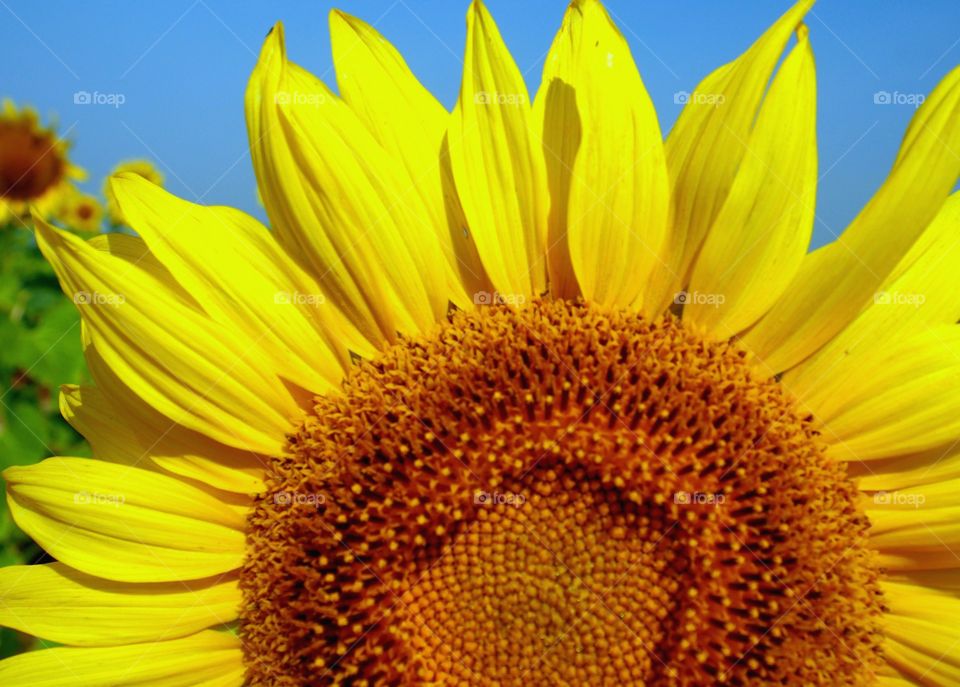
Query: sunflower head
[[559, 492], [82, 211], [35, 170]]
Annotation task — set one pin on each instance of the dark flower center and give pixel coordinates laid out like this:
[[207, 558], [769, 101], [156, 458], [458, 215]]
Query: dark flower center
[[559, 494]]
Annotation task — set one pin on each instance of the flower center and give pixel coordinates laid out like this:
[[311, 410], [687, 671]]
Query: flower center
[[30, 162], [558, 494]]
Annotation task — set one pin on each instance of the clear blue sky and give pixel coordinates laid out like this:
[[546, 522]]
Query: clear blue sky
[[181, 66]]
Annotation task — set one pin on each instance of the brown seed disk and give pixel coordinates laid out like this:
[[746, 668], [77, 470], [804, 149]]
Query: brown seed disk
[[558, 494], [29, 162]]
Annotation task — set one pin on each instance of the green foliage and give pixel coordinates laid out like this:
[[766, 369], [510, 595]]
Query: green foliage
[[39, 350]]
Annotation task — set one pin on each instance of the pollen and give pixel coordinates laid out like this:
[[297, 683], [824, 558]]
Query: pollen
[[558, 494]]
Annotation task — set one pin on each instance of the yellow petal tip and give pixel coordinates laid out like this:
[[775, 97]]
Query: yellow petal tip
[[276, 32], [274, 41], [340, 21], [125, 180]]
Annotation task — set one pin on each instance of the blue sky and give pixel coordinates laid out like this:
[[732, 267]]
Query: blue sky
[[181, 67]]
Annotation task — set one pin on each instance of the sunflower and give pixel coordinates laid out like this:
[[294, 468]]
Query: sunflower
[[82, 211], [35, 170], [143, 168], [517, 394]]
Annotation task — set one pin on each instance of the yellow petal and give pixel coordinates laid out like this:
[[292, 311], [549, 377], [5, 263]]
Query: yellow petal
[[498, 168], [135, 251], [610, 199], [206, 659], [927, 496], [946, 581], [916, 532], [898, 399], [916, 528], [837, 281], [194, 371], [62, 605], [242, 278], [921, 294], [410, 124], [925, 467], [558, 129], [930, 556], [91, 414], [341, 204], [893, 681], [122, 429], [124, 523], [758, 239], [706, 147], [922, 634]]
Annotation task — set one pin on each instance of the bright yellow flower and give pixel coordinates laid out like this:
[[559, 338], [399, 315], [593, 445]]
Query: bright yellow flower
[[82, 211], [143, 168], [35, 170], [653, 443]]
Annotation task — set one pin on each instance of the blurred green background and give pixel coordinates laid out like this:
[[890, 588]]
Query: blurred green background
[[40, 335]]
